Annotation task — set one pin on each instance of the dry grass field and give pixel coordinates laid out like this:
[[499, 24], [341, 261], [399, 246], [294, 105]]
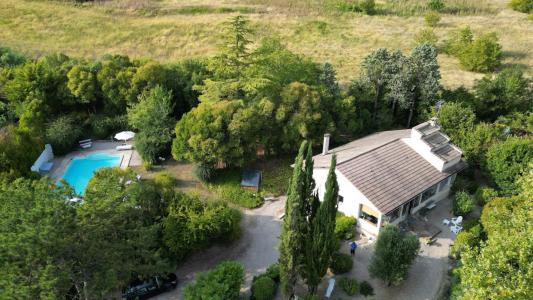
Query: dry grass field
[[169, 30]]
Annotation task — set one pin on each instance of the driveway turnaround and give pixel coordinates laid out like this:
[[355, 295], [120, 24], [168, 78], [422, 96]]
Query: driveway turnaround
[[256, 249]]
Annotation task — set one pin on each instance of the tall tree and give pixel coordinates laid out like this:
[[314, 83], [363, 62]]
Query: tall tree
[[291, 245], [417, 83], [393, 255], [228, 67], [152, 117], [37, 239], [320, 239], [378, 68], [500, 268]]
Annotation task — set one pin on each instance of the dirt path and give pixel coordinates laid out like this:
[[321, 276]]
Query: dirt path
[[256, 249]]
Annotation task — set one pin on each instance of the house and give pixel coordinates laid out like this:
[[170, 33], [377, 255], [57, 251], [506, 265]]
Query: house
[[388, 175]]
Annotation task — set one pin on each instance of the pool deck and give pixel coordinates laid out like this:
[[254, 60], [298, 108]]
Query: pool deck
[[130, 158]]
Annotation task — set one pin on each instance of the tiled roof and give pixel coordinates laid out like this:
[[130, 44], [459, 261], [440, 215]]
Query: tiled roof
[[392, 173], [359, 146]]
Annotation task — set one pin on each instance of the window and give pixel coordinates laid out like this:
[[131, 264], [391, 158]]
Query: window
[[393, 215], [368, 217], [340, 198], [429, 193], [444, 183]]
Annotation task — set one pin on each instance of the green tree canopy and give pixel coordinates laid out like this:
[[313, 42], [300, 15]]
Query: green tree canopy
[[507, 92], [204, 136], [37, 241], [223, 282], [508, 160], [152, 117], [393, 255]]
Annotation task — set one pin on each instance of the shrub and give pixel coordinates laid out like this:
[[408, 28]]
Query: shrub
[[484, 194], [63, 133], [263, 288], [436, 4], [426, 36], [273, 272], [349, 286], [484, 54], [102, 127], [463, 203], [507, 161], [463, 183], [525, 6], [345, 226], [467, 238], [223, 282], [193, 224], [432, 19], [310, 297], [368, 6], [366, 289], [204, 172], [341, 263]]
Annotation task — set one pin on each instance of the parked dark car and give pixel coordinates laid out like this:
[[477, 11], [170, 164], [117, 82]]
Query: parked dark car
[[151, 287]]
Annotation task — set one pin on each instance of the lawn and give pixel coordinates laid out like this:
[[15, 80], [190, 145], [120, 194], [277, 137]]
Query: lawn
[[226, 184], [170, 30]]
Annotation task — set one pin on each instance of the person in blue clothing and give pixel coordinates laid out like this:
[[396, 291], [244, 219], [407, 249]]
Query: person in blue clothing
[[353, 246]]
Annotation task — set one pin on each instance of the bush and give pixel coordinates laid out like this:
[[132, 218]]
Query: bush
[[484, 194], [463, 203], [193, 224], [223, 282], [525, 6], [273, 272], [484, 54], [366, 289], [345, 226], [341, 263], [310, 297], [426, 36], [63, 133], [204, 172], [436, 4], [507, 161], [368, 6], [463, 183], [103, 127], [467, 238], [349, 286], [432, 19], [263, 288]]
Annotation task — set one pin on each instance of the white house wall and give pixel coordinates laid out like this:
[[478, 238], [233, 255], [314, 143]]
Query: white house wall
[[425, 151], [352, 198]]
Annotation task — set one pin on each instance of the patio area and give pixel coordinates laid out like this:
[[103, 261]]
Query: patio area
[[130, 158], [427, 274]]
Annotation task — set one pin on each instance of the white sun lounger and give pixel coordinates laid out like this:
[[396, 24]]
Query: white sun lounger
[[85, 141], [124, 147], [86, 145], [46, 167]]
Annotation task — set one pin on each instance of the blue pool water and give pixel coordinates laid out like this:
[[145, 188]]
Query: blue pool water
[[81, 169]]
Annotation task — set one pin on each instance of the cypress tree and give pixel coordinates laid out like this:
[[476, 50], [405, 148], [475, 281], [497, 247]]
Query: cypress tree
[[293, 223], [320, 238]]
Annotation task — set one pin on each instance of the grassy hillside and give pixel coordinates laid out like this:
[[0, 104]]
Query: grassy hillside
[[174, 29]]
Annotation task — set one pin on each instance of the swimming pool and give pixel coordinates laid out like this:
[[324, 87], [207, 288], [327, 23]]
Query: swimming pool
[[81, 169]]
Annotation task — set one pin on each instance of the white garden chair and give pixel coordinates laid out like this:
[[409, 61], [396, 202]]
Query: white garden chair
[[457, 221]]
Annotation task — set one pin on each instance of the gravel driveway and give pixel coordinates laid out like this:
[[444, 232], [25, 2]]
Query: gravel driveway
[[256, 249]]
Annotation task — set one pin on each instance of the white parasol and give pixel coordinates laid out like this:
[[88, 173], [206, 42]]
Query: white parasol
[[124, 135]]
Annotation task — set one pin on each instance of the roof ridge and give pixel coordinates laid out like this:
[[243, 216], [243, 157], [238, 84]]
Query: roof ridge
[[370, 150]]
